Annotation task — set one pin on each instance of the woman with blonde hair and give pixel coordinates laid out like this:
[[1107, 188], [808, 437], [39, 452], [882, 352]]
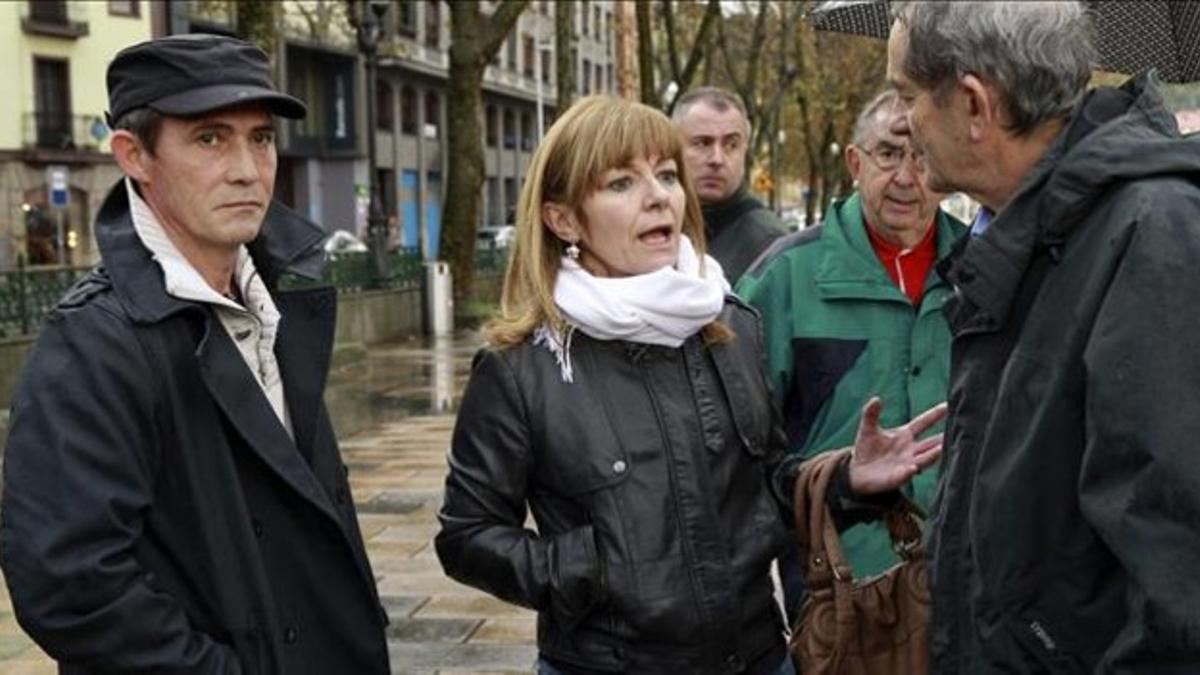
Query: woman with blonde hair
[[622, 399]]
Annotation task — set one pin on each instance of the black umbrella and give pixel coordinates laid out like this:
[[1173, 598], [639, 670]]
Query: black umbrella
[[1130, 36]]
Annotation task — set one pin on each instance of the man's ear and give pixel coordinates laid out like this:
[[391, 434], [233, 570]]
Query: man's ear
[[981, 106], [853, 161], [561, 221], [130, 154]]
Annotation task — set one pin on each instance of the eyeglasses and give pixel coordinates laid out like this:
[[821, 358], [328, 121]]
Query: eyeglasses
[[889, 157]]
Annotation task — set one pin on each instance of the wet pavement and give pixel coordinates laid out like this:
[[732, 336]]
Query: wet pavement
[[402, 396]]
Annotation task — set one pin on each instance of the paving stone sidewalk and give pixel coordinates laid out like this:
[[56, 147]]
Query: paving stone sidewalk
[[437, 625]]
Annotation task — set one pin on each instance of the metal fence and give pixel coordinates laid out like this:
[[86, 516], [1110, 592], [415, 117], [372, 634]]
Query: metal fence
[[28, 293]]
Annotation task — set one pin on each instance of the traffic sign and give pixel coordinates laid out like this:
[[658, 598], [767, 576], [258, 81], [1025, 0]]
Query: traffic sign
[[59, 195]]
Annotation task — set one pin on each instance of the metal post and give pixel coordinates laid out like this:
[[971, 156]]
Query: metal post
[[62, 236], [369, 31]]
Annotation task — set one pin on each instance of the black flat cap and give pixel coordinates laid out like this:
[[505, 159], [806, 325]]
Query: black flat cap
[[193, 74]]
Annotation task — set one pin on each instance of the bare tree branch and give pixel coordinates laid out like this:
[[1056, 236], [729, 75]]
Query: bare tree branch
[[699, 48], [672, 51], [564, 38]]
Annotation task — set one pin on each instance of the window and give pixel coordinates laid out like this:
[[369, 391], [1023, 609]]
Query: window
[[599, 78], [385, 118], [52, 103], [433, 24], [510, 47], [585, 83], [611, 85], [406, 18], [596, 23], [433, 111], [530, 54], [583, 17], [490, 124], [495, 209], [546, 66], [48, 11], [510, 130], [526, 131], [408, 111], [510, 196], [608, 33], [123, 8]]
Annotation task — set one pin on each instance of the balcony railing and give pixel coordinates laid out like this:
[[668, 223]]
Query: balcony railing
[[56, 18], [58, 131]]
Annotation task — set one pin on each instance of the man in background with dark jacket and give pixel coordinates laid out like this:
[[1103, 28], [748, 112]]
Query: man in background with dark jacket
[[1066, 534], [716, 136], [174, 499]]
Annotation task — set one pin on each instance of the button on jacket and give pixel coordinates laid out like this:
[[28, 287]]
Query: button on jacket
[[651, 480]]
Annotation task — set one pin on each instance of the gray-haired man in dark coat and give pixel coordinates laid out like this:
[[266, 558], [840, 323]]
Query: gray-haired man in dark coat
[[1066, 535]]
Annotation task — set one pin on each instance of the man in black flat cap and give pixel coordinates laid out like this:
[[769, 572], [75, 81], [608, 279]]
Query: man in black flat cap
[[174, 498]]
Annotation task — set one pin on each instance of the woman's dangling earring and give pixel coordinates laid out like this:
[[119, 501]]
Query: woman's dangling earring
[[573, 251]]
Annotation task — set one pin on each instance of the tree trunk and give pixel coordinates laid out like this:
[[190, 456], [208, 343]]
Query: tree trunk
[[646, 55], [474, 40], [564, 39]]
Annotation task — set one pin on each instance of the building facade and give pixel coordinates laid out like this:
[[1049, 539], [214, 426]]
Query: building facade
[[59, 51], [52, 128], [411, 116]]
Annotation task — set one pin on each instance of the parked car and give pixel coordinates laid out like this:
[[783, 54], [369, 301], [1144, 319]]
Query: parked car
[[342, 241], [495, 236]]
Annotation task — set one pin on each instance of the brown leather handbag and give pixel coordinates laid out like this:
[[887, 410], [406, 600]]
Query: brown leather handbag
[[874, 626]]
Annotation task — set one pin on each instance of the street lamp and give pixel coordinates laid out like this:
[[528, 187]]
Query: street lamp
[[369, 31]]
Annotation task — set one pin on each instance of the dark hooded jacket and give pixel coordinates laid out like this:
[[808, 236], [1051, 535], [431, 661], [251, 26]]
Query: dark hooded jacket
[[1066, 534], [157, 516], [738, 230]]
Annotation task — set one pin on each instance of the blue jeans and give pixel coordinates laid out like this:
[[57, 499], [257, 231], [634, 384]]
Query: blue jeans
[[543, 667]]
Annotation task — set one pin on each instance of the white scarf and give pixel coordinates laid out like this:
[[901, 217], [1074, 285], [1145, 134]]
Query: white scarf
[[664, 307]]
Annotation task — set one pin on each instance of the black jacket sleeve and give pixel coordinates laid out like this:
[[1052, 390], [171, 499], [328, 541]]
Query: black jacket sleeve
[[483, 541], [1139, 481], [79, 475]]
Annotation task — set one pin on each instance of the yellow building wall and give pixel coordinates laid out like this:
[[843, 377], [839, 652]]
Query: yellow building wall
[[89, 57]]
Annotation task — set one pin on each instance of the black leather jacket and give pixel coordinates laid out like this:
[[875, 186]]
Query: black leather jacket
[[655, 483]]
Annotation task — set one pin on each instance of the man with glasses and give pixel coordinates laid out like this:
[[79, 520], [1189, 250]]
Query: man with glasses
[[852, 309], [716, 133]]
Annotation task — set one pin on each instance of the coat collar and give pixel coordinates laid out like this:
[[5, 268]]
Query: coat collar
[[848, 266], [718, 217], [1113, 136], [286, 243]]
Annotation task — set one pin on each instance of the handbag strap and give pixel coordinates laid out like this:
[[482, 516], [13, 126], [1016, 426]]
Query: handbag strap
[[825, 562], [812, 516]]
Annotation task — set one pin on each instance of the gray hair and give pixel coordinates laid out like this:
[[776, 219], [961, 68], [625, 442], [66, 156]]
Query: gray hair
[[1040, 54], [144, 123], [868, 120], [717, 98]]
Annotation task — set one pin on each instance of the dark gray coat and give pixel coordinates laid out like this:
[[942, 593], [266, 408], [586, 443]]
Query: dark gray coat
[[157, 518], [738, 230], [1066, 536]]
